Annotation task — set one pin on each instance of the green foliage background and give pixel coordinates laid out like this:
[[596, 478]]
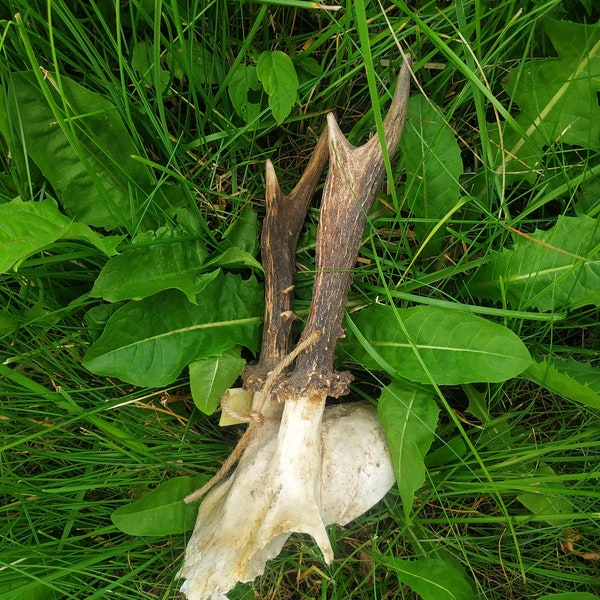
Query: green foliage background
[[132, 142]]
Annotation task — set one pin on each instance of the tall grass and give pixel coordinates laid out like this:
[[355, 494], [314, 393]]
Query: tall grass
[[75, 447]]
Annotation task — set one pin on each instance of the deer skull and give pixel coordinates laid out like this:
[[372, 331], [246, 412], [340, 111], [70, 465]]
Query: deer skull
[[301, 465]]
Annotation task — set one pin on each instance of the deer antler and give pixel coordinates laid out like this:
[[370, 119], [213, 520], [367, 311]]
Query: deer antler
[[355, 175], [281, 229], [301, 467]]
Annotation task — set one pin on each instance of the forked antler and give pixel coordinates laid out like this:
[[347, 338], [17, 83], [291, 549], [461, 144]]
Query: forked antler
[[283, 221], [355, 175], [301, 467]]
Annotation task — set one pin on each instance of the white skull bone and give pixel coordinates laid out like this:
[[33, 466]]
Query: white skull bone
[[297, 476]]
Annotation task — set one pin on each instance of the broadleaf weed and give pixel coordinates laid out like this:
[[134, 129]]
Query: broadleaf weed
[[509, 501]]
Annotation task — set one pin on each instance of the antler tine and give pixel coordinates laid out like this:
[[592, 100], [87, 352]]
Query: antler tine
[[281, 229], [354, 177]]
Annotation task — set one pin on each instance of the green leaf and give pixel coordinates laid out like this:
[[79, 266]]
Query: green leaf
[[455, 347], [547, 269], [571, 380], [162, 511], [234, 258], [197, 63], [28, 227], [244, 232], [149, 342], [557, 98], [211, 377], [26, 588], [433, 165], [588, 200], [449, 452], [191, 221], [142, 60], [431, 578], [29, 573], [164, 262], [86, 153], [409, 417], [276, 72], [497, 431], [8, 323], [244, 92], [240, 243], [309, 67], [546, 499]]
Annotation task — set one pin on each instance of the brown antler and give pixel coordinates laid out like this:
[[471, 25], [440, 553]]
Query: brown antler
[[281, 228], [314, 467], [355, 175]]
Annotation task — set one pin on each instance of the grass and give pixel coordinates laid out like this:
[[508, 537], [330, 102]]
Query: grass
[[76, 446]]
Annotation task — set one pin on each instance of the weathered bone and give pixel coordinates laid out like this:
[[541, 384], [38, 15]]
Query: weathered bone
[[316, 466], [356, 473]]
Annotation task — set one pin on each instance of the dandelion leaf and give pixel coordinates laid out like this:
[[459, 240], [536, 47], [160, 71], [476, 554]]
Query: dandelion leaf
[[87, 157], [162, 511], [559, 267], [431, 578], [549, 502], [211, 377], [579, 382], [433, 166], [449, 346], [154, 263], [557, 99], [28, 227], [149, 342], [409, 417]]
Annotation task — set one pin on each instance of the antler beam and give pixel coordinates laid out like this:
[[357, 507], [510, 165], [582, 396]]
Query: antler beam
[[281, 229], [355, 175]]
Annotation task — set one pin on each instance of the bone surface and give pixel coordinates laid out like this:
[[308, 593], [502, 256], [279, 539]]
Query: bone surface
[[300, 465], [356, 472]]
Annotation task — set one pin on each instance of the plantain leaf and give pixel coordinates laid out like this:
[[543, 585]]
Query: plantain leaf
[[149, 342], [431, 578], [27, 227], [571, 380], [455, 347], [162, 511], [276, 72], [86, 154], [211, 377], [433, 165], [547, 269], [154, 264], [409, 417], [557, 98]]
